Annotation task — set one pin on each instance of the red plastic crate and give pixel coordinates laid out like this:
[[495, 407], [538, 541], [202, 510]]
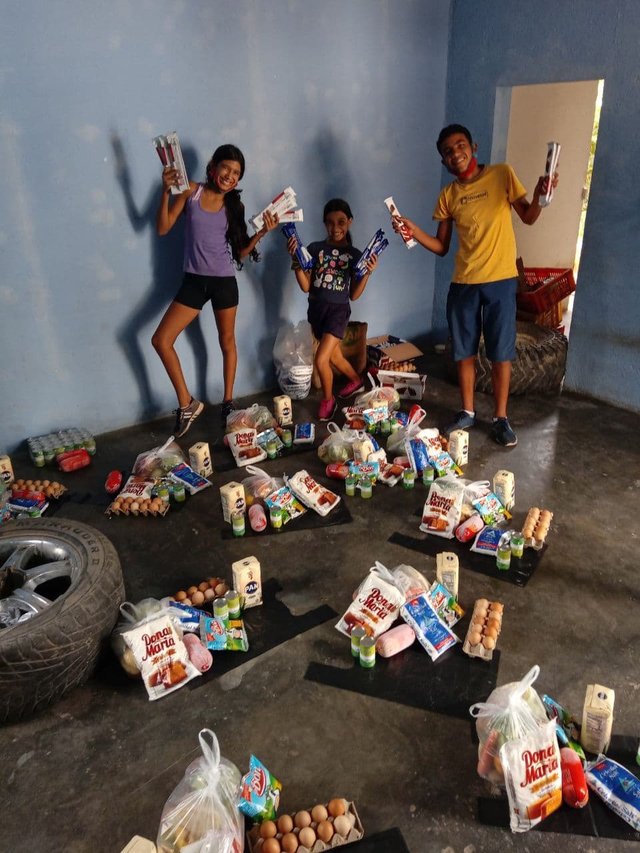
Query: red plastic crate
[[544, 287]]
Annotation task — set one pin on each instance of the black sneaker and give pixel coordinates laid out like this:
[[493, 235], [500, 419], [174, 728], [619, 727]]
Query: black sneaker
[[186, 416], [225, 410], [463, 420], [502, 433]]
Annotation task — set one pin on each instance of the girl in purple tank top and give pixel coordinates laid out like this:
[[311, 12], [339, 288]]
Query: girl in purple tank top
[[216, 241]]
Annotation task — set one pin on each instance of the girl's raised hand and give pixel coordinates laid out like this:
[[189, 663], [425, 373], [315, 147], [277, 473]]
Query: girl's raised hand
[[371, 263], [170, 178], [292, 245], [270, 221]]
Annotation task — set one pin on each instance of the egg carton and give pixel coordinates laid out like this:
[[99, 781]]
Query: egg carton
[[124, 509], [536, 527], [355, 834], [479, 650]]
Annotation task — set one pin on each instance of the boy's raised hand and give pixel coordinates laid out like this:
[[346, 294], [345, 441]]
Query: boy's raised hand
[[543, 185], [400, 222]]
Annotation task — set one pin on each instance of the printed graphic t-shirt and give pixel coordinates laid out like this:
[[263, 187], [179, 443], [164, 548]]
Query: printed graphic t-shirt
[[481, 211], [332, 271]]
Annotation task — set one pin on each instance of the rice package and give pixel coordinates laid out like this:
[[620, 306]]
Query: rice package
[[160, 654], [376, 604], [443, 507]]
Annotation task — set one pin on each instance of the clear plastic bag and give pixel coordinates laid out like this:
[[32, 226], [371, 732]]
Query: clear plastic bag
[[387, 395], [338, 445], [155, 463], [259, 485], [200, 814], [395, 442], [131, 614], [512, 712], [293, 359], [255, 417]]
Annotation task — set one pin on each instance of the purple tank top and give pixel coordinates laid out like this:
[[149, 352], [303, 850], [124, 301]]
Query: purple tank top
[[206, 251]]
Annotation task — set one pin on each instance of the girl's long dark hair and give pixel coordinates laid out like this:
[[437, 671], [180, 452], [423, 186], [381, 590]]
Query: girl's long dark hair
[[237, 234], [338, 205]]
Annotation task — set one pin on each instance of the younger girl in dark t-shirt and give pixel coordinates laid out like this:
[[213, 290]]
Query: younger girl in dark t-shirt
[[331, 284]]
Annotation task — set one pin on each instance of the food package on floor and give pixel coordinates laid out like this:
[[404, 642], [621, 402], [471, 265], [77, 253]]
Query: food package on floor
[[378, 397], [617, 787], [187, 477], [138, 844], [285, 500], [155, 463], [160, 655], [511, 712], [44, 449], [200, 458], [396, 441], [314, 830], [448, 571], [567, 728], [409, 385], [224, 636], [484, 629], [597, 718], [491, 509], [304, 433], [232, 499], [201, 813], [259, 795], [311, 493], [433, 635], [6, 471], [376, 604], [536, 527], [445, 605], [338, 445], [130, 615], [442, 508], [245, 448], [259, 485], [247, 580], [410, 580]]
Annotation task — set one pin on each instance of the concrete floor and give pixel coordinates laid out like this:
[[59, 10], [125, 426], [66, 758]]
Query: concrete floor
[[97, 767]]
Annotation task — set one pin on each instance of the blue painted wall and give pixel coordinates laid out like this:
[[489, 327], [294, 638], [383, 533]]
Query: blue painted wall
[[502, 43], [334, 98]]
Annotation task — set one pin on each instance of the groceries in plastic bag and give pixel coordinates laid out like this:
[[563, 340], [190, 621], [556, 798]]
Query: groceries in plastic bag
[[200, 815], [254, 417], [156, 463], [130, 614], [376, 604], [160, 654], [259, 485], [396, 441], [293, 359], [338, 445], [378, 397]]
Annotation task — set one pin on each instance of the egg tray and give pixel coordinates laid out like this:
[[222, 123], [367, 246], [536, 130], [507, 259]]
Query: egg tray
[[124, 510], [533, 522], [355, 834], [479, 650], [52, 489]]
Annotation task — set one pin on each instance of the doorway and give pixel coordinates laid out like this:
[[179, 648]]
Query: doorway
[[526, 119]]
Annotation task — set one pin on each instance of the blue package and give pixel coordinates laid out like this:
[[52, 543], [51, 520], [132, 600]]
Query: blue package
[[376, 245], [189, 617], [433, 635], [619, 788], [486, 542], [302, 255], [402, 418], [418, 455], [304, 433]]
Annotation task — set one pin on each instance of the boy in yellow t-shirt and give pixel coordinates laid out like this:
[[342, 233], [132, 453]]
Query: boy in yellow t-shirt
[[482, 294]]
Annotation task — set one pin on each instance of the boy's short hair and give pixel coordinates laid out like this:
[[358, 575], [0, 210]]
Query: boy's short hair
[[449, 130]]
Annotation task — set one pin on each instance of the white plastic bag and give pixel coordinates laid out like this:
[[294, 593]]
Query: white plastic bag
[[293, 359], [130, 614], [200, 815], [338, 445], [259, 485], [395, 442]]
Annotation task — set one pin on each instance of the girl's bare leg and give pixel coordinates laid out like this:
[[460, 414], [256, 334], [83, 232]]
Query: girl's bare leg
[[176, 319], [324, 355], [345, 367], [226, 325]]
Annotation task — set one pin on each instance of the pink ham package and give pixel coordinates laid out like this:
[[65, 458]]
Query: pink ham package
[[396, 640], [376, 604]]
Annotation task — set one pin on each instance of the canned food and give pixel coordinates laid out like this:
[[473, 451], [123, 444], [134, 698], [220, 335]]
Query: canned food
[[287, 437], [163, 493], [238, 523], [428, 476], [357, 636], [221, 609], [367, 652], [233, 603], [408, 478], [503, 554], [385, 426], [350, 486]]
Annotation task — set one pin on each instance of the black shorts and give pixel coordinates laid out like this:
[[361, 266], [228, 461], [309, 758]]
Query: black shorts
[[328, 318], [197, 290]]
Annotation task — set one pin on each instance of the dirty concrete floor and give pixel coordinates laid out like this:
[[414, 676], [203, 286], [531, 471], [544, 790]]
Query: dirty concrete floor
[[96, 767]]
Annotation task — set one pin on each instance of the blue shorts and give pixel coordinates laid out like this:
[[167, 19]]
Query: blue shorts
[[487, 309], [328, 318]]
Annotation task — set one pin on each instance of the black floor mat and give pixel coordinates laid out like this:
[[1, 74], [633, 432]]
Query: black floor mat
[[309, 521], [595, 819], [268, 626], [223, 460], [389, 841], [520, 573], [447, 686]]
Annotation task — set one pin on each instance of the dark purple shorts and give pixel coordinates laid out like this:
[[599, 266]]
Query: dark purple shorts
[[328, 318]]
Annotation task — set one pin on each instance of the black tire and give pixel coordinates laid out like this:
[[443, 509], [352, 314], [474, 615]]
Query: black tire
[[57, 649], [541, 358]]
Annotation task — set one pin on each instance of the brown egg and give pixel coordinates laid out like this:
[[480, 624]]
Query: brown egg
[[202, 586], [493, 623], [180, 595], [319, 813], [342, 825], [268, 829], [270, 845], [209, 594], [482, 602], [191, 590], [497, 607], [187, 601], [197, 597], [325, 831], [491, 632], [336, 807], [135, 506], [289, 842], [221, 588], [474, 638], [213, 582], [489, 643], [285, 823], [46, 483], [307, 837], [302, 819]]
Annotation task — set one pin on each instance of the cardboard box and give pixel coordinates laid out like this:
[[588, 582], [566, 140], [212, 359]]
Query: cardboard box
[[410, 386], [391, 348]]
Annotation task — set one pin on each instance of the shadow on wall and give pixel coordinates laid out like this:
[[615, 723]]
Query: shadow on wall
[[273, 276], [134, 335]]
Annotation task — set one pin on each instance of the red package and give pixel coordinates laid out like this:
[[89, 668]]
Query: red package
[[73, 459], [113, 482], [575, 792]]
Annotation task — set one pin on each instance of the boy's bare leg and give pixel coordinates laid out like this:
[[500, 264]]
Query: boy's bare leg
[[501, 377], [467, 381]]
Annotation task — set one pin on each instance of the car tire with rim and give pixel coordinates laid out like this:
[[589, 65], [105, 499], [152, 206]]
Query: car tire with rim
[[65, 577]]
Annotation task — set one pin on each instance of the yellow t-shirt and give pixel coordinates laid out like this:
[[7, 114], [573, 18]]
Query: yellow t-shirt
[[481, 211]]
